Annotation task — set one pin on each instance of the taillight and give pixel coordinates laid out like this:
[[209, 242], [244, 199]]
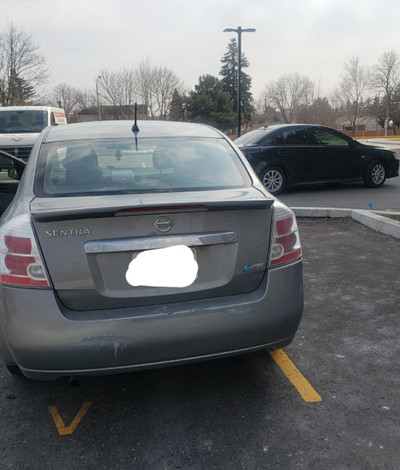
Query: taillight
[[20, 261], [285, 246]]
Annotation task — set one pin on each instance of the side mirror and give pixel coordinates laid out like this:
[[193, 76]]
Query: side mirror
[[12, 173]]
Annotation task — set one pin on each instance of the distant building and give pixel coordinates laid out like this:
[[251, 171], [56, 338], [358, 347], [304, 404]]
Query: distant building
[[109, 113], [364, 123]]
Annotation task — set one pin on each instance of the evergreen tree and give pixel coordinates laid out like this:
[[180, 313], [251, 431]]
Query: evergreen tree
[[210, 104], [20, 91], [229, 73], [177, 106]]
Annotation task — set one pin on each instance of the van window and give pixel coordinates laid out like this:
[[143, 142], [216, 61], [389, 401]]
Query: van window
[[22, 121]]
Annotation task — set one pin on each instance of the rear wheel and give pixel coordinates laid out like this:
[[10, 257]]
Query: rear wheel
[[375, 174], [274, 180]]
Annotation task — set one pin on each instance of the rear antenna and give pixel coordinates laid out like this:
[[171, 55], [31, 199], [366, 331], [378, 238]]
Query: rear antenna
[[135, 127]]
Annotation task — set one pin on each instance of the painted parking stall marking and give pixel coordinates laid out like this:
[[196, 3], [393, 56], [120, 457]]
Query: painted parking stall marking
[[301, 384], [307, 392], [58, 421]]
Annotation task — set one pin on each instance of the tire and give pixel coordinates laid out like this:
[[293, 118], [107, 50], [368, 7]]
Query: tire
[[14, 370], [273, 179], [375, 174]]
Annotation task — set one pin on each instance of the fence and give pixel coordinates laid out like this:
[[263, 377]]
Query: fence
[[375, 133]]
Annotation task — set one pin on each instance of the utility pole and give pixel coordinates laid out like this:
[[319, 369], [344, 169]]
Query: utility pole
[[98, 98], [239, 30]]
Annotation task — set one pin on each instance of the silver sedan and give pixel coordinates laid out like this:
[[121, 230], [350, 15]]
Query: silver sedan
[[126, 250]]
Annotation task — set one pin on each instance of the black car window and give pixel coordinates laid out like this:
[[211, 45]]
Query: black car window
[[290, 137], [253, 137], [327, 137]]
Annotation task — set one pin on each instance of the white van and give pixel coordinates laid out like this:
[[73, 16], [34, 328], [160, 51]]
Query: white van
[[20, 126]]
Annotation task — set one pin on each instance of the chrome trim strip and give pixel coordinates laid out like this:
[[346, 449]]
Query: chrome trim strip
[[152, 243]]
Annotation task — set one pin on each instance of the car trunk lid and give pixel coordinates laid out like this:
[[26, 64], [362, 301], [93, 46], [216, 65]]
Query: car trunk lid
[[89, 242]]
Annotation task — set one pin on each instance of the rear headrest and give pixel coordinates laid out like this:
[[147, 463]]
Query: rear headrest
[[83, 155], [162, 159]]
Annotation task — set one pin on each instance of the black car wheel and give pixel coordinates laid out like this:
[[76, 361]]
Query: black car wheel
[[274, 180], [375, 174]]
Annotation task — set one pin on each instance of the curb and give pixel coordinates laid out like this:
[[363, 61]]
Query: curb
[[371, 219]]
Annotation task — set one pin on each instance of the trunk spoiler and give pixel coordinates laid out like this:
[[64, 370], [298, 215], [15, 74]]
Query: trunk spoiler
[[69, 208]]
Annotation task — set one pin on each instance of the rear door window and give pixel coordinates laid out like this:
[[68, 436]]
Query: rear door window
[[296, 136], [87, 167], [328, 137]]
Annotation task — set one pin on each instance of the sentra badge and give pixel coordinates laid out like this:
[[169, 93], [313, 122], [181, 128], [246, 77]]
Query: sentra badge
[[69, 232], [163, 224]]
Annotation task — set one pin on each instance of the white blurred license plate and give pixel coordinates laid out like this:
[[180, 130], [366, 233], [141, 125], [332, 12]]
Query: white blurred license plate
[[174, 266]]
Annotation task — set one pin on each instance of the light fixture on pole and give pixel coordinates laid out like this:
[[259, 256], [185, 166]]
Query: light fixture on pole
[[97, 95], [239, 30]]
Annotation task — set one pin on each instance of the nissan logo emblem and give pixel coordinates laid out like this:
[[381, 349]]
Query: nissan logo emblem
[[163, 224]]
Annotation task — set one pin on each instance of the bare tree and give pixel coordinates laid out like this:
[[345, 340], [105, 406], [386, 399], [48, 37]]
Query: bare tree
[[67, 97], [118, 89], [144, 79], [352, 90], [148, 85], [386, 77], [23, 68], [155, 87], [86, 99], [322, 112], [72, 100], [288, 93], [164, 84]]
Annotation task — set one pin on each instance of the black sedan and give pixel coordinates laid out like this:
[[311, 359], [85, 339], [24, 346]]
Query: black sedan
[[295, 154]]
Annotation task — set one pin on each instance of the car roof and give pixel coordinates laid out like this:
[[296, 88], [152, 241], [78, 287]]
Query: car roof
[[257, 134], [123, 129], [29, 108], [280, 126]]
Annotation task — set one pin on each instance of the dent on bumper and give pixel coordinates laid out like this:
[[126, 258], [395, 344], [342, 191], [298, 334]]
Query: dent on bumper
[[47, 344]]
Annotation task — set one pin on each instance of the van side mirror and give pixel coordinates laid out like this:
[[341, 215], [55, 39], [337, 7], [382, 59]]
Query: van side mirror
[[12, 173]]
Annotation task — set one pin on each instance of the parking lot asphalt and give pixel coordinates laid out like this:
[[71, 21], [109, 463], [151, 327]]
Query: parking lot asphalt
[[242, 412]]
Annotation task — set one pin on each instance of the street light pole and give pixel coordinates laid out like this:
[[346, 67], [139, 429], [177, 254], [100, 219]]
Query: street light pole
[[97, 95], [239, 30]]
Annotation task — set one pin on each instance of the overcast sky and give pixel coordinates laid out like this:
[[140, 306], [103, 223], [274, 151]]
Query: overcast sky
[[311, 37]]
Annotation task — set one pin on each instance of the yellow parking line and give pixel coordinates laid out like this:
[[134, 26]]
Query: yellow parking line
[[301, 384], [62, 429]]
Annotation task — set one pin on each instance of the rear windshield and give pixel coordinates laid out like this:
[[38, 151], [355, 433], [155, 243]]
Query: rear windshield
[[90, 167], [253, 137]]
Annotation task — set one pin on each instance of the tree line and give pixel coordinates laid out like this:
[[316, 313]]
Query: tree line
[[362, 91]]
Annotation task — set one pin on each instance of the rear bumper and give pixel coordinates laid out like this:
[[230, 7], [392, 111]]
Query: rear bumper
[[46, 341]]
